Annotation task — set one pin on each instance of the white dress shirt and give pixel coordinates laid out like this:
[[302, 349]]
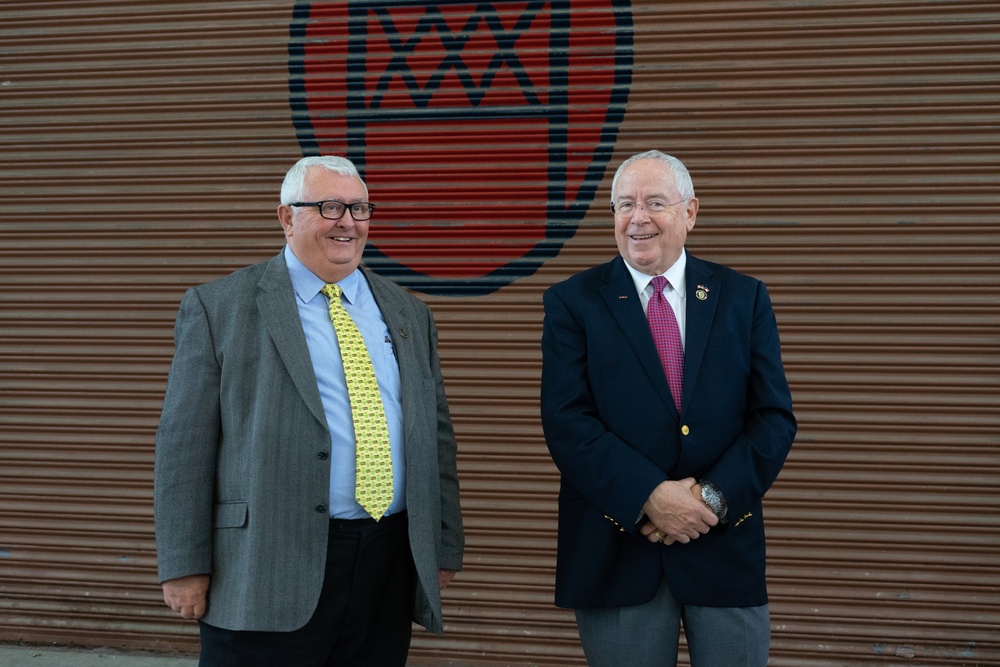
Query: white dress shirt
[[675, 291]]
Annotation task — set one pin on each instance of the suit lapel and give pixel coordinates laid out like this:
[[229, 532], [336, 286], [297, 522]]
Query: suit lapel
[[276, 302], [393, 312], [621, 299], [404, 332], [703, 292], [401, 328]]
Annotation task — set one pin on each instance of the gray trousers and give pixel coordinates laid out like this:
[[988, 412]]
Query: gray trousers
[[647, 635]]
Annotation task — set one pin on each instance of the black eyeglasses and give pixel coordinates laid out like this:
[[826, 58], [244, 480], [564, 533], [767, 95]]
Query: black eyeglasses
[[334, 210]]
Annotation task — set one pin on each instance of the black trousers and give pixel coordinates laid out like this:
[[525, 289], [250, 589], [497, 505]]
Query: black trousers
[[364, 615]]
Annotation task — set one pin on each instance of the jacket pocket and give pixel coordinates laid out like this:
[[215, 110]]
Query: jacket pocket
[[231, 515]]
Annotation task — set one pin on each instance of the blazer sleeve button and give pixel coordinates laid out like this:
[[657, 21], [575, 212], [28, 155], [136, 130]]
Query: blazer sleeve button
[[321, 507]]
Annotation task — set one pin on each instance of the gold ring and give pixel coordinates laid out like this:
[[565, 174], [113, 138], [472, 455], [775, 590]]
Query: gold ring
[[658, 534]]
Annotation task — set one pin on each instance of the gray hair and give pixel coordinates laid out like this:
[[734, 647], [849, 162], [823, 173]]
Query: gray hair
[[295, 179], [682, 179]]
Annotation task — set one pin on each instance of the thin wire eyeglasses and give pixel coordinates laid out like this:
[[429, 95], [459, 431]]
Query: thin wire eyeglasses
[[332, 209], [653, 206]]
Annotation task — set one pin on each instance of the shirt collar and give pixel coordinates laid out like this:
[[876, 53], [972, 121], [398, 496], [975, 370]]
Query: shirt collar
[[674, 275], [307, 284]]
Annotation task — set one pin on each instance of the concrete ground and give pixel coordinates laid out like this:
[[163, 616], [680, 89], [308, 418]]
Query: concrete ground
[[13, 655]]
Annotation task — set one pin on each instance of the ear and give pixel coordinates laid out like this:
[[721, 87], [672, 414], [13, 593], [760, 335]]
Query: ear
[[285, 218], [691, 210]]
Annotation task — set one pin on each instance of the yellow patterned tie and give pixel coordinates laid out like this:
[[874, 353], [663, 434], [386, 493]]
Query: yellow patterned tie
[[373, 458]]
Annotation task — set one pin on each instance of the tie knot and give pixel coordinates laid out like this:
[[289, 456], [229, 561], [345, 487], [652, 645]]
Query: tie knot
[[332, 290], [658, 283]]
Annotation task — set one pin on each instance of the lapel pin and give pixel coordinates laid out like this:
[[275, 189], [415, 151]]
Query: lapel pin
[[623, 296], [701, 293]]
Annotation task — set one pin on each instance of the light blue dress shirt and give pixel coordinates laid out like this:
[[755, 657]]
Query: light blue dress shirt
[[322, 341]]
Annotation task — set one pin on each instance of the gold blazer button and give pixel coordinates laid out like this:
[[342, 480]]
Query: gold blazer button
[[685, 430]]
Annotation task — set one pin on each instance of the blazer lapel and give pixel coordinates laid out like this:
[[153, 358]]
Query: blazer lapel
[[623, 302], [405, 335], [703, 291], [393, 312], [276, 302], [401, 328]]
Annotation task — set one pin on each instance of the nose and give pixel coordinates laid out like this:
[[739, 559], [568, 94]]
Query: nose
[[344, 221], [635, 213]]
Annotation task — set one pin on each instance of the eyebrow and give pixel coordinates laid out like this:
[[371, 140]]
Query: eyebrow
[[655, 196]]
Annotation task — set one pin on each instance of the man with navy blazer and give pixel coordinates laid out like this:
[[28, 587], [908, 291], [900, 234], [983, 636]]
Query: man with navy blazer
[[660, 519], [258, 531]]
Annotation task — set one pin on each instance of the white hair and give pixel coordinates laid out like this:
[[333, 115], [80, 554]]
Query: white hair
[[682, 179], [295, 179]]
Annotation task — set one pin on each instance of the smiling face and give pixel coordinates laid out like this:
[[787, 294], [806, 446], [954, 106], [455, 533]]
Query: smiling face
[[331, 249], [651, 235]]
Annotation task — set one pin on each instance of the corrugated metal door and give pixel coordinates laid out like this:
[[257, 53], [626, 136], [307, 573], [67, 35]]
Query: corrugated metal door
[[844, 152]]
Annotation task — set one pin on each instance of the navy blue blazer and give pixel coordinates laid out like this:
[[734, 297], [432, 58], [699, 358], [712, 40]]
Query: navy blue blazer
[[614, 433]]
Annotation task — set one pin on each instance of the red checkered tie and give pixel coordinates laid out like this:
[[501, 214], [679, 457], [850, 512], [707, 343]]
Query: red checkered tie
[[667, 336]]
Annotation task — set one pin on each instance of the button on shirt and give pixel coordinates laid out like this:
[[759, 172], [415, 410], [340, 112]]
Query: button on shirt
[[325, 354], [676, 292]]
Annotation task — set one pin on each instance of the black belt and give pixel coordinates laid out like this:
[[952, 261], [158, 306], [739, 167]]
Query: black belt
[[358, 524]]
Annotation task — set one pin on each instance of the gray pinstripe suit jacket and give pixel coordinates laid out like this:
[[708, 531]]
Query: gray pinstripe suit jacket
[[240, 491]]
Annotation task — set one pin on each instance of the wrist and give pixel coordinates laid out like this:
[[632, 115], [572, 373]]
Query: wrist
[[712, 496]]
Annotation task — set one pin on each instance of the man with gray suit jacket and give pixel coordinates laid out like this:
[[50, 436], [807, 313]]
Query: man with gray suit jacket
[[261, 533]]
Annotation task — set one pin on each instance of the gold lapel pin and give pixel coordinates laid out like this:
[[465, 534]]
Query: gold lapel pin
[[701, 293]]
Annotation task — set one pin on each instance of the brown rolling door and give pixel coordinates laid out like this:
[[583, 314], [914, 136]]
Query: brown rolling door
[[817, 161], [843, 152], [141, 145]]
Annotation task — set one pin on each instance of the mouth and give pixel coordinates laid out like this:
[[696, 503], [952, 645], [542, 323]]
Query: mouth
[[642, 237]]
